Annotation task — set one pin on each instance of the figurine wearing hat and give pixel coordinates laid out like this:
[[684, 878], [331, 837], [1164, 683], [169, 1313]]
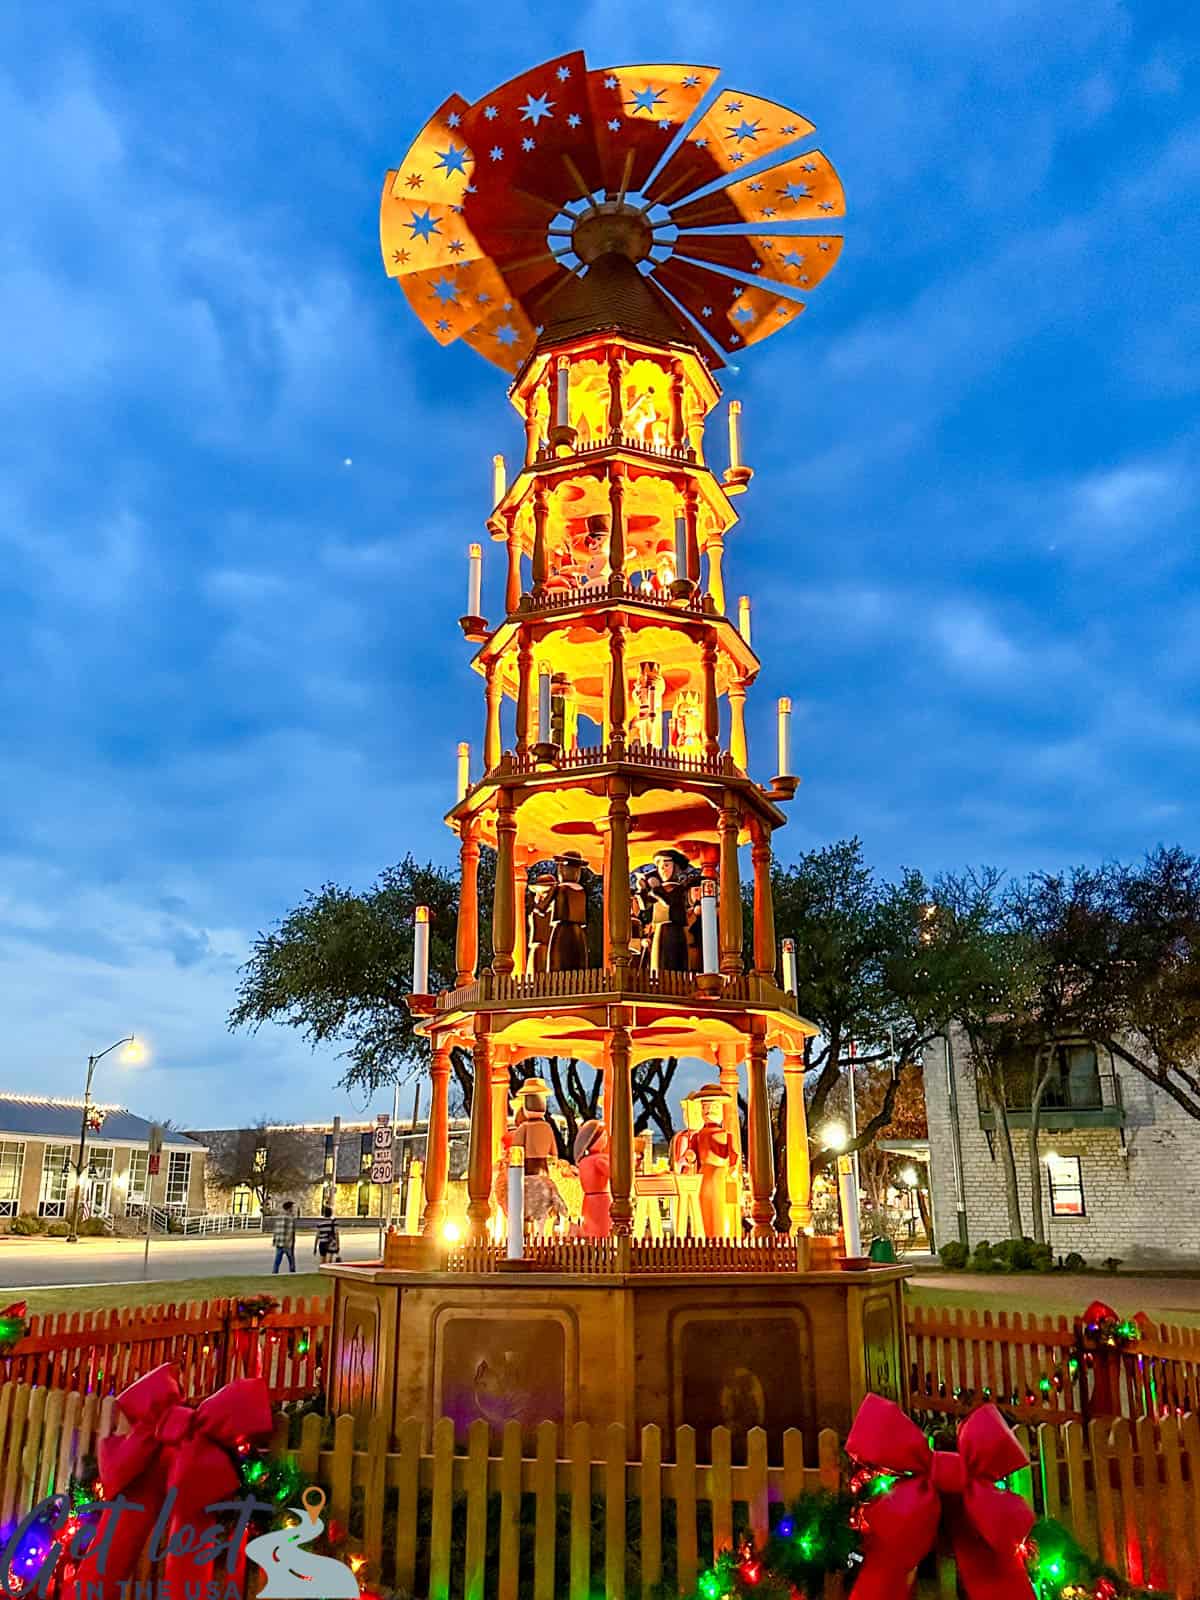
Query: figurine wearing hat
[[668, 911], [592, 1159], [540, 902], [709, 1145], [536, 1137], [568, 929]]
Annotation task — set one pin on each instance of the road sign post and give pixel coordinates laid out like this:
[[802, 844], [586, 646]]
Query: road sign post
[[154, 1146], [383, 1164]]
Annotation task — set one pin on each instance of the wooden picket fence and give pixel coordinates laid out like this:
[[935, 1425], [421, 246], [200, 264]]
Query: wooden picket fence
[[102, 1352], [1042, 1369], [584, 1515]]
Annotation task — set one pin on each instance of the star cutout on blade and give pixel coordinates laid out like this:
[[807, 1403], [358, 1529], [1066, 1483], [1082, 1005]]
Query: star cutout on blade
[[755, 188], [706, 311], [646, 99], [691, 81], [701, 144], [482, 298], [423, 226], [757, 267], [446, 290], [442, 325], [808, 166], [456, 247], [737, 156], [733, 339], [795, 191], [496, 153], [744, 130], [781, 311], [665, 124], [768, 211], [610, 82], [734, 105], [490, 113], [826, 205], [574, 120], [615, 125], [400, 257], [527, 144], [563, 74], [414, 180], [506, 334], [793, 259], [788, 127], [453, 159], [824, 244], [536, 107]]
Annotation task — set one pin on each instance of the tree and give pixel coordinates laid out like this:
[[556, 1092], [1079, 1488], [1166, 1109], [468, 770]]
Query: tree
[[873, 969], [338, 967], [270, 1161]]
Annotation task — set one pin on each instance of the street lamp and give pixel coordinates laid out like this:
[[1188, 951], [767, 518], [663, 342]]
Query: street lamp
[[134, 1052]]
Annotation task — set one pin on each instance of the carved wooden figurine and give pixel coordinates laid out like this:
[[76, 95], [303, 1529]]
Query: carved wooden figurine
[[647, 694], [540, 901], [668, 921], [592, 1159], [712, 1149], [568, 931]]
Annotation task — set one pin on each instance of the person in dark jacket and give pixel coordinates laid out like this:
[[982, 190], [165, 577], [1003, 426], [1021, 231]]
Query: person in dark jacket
[[326, 1244]]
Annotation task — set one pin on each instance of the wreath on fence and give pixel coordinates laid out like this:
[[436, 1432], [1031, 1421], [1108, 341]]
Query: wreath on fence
[[252, 1308]]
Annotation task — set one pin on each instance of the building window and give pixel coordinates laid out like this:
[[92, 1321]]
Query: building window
[[366, 1157], [12, 1165], [139, 1181], [241, 1201], [179, 1179], [97, 1185], [1066, 1186], [56, 1180]]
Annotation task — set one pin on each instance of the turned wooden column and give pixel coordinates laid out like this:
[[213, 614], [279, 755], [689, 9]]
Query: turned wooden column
[[503, 931], [492, 738], [617, 859], [691, 518], [758, 1127], [677, 435], [730, 909], [764, 900], [716, 580], [605, 880], [727, 1061], [524, 688], [512, 589], [468, 901], [799, 1176], [520, 925], [479, 1159], [737, 725], [616, 684], [498, 1079], [621, 1124], [531, 427], [712, 705], [437, 1143], [616, 530], [615, 411], [541, 512]]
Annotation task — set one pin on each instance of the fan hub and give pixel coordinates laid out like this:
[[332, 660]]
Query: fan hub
[[612, 228]]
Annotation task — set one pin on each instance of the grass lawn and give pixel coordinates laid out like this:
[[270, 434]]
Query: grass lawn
[[97, 1297], [1056, 1294]]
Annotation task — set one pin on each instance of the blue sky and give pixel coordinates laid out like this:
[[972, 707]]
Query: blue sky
[[231, 665]]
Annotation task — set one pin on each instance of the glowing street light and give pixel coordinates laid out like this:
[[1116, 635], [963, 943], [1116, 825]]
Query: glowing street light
[[835, 1136]]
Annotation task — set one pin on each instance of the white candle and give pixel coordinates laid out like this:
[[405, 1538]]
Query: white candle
[[464, 770], [421, 950], [789, 965], [744, 616], [499, 480], [563, 380], [516, 1203], [785, 737], [543, 714], [474, 580], [681, 563], [708, 925], [735, 433]]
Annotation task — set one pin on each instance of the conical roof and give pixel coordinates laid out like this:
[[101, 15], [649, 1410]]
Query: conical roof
[[613, 295]]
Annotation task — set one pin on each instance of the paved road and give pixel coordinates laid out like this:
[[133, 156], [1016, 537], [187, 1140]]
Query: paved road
[[48, 1263]]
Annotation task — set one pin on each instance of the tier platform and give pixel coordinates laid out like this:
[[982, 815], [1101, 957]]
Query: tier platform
[[636, 1342]]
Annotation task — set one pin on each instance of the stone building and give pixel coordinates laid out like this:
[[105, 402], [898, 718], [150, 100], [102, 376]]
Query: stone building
[[296, 1162], [1120, 1160], [39, 1147]]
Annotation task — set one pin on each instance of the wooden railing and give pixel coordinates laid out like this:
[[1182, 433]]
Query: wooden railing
[[102, 1352], [600, 1257], [589, 595], [575, 1513], [1045, 1369], [601, 755], [608, 980]]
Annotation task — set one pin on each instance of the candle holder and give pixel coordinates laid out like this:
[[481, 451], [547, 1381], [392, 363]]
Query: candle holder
[[421, 1005], [563, 436], [783, 787], [709, 982], [737, 479], [474, 628], [546, 754]]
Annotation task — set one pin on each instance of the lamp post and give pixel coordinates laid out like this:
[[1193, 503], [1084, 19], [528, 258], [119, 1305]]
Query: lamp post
[[83, 1127]]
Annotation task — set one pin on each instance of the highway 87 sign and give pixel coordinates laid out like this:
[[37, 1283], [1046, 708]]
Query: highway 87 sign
[[382, 1164]]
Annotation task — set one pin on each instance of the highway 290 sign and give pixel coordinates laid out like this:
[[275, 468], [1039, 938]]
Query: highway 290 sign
[[382, 1163]]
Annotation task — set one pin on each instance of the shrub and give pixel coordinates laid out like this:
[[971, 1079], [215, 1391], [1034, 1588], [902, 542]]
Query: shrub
[[93, 1228], [1074, 1262], [982, 1259], [1111, 1263], [1041, 1258], [58, 1230], [954, 1255], [27, 1225], [1011, 1255]]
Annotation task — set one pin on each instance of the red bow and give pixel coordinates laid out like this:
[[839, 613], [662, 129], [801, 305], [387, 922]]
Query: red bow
[[171, 1445], [942, 1489]]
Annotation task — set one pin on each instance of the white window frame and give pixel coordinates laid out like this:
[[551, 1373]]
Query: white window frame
[[101, 1165], [1059, 1182], [175, 1160], [137, 1188], [61, 1170], [10, 1204]]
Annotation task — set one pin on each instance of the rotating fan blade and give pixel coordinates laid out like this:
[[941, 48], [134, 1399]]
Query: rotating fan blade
[[800, 259], [505, 335], [732, 314], [804, 189], [737, 129], [636, 112], [416, 236], [439, 162]]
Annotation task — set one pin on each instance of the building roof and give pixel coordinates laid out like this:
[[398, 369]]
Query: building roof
[[32, 1117], [614, 295]]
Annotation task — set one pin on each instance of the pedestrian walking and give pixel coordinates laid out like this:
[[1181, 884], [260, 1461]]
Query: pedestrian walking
[[284, 1237], [327, 1245]]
